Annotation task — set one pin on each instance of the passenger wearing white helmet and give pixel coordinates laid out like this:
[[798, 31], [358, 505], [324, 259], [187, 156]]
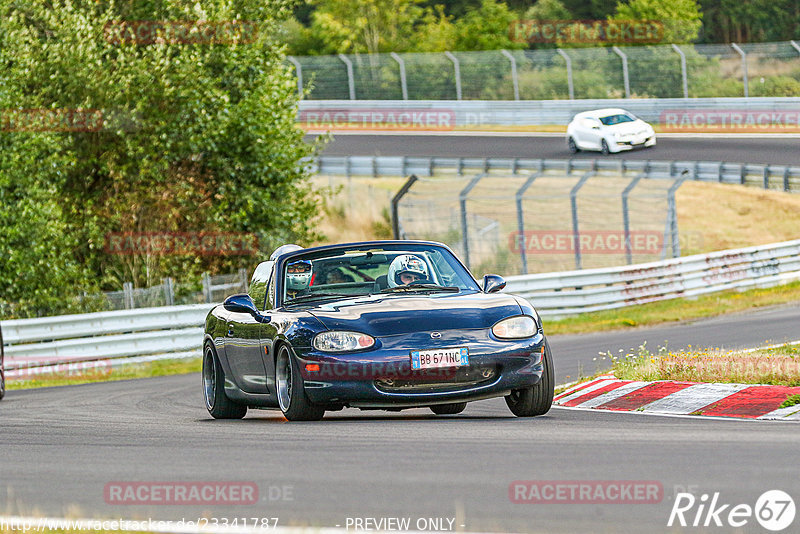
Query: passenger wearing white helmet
[[298, 277], [407, 269]]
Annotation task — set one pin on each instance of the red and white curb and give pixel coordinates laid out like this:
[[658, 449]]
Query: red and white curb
[[682, 398]]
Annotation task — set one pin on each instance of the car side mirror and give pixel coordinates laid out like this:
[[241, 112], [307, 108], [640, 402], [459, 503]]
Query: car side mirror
[[493, 283], [240, 304], [595, 127]]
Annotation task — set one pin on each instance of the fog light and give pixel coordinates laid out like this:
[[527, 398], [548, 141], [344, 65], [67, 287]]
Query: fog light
[[312, 367]]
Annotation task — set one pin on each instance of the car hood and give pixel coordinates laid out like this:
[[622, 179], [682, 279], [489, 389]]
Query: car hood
[[388, 315], [635, 127]]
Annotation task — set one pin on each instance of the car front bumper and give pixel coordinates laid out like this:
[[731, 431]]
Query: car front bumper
[[382, 378], [619, 146]]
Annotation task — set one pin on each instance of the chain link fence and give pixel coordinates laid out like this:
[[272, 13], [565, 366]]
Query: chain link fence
[[660, 71]]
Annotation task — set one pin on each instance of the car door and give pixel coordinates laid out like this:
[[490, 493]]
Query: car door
[[244, 333], [592, 131]]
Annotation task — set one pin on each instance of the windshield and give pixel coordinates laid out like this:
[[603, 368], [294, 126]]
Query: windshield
[[351, 272], [611, 120]]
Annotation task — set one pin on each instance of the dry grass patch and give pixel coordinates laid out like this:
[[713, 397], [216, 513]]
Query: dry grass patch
[[776, 366]]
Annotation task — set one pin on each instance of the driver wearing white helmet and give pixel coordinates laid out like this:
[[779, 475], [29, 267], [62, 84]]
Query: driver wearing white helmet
[[407, 269], [298, 277]]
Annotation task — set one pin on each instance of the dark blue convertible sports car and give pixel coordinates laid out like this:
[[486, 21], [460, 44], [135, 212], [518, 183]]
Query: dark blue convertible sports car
[[377, 325]]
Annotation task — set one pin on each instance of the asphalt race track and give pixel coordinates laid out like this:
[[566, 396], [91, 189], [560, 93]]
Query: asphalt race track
[[63, 445], [767, 150]]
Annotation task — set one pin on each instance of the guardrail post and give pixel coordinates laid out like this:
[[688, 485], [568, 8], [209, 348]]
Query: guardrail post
[[457, 72], [744, 68], [568, 59], [573, 200], [626, 223], [299, 70], [514, 79], [462, 200], [402, 64], [766, 176], [351, 83], [207, 287], [786, 186], [395, 203], [621, 54], [684, 78], [521, 240]]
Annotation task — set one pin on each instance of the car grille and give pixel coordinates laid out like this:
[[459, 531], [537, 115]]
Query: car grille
[[440, 380]]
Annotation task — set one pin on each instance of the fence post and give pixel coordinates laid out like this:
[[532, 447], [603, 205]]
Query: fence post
[[299, 69], [569, 72], [169, 292], [573, 200], [672, 217], [514, 79], [684, 78], [243, 278], [351, 83], [462, 199], [744, 68], [626, 222], [457, 71], [521, 221], [403, 84], [127, 295], [625, 79], [207, 287], [396, 202]]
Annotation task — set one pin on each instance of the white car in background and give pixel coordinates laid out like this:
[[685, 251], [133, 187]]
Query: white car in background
[[608, 130]]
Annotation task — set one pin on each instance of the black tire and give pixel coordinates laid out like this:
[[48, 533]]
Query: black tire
[[292, 399], [217, 403], [604, 148], [535, 400], [573, 146], [448, 409]]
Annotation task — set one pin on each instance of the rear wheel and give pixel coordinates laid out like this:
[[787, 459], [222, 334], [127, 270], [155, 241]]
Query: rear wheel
[[217, 403], [535, 400], [604, 148], [573, 147], [292, 397], [448, 409]]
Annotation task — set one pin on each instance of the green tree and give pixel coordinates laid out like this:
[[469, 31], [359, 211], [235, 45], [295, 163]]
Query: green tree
[[198, 135], [548, 10], [486, 28], [681, 19]]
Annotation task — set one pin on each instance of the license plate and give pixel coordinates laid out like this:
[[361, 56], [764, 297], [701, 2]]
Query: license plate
[[435, 358]]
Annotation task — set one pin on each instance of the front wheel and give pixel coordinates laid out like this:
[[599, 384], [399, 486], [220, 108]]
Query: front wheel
[[535, 400], [604, 148], [292, 397], [217, 403], [448, 409]]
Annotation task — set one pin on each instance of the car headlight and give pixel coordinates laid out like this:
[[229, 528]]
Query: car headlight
[[339, 341], [518, 327]]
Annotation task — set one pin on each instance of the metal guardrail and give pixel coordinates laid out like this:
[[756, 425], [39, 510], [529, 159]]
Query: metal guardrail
[[573, 292], [375, 114], [177, 331], [779, 177]]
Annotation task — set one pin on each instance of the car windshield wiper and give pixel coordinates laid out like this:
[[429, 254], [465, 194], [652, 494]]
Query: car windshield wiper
[[315, 296], [413, 286]]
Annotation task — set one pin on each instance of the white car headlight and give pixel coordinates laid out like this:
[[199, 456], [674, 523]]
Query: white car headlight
[[518, 327], [339, 341]]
